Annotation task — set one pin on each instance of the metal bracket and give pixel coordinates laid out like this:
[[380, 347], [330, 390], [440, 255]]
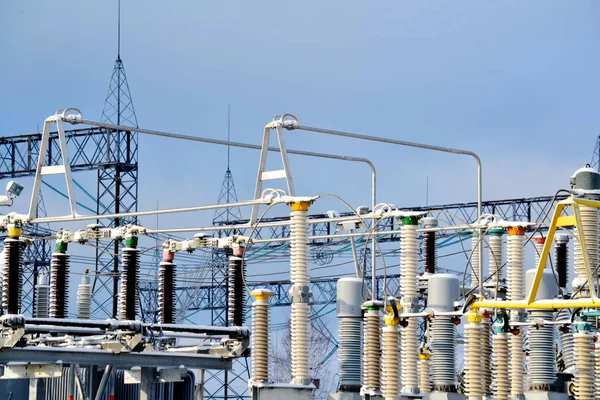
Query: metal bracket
[[286, 172], [69, 115], [30, 371], [163, 375]]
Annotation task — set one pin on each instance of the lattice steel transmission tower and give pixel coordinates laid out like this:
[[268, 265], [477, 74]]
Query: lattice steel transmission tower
[[596, 156], [225, 384], [117, 190]]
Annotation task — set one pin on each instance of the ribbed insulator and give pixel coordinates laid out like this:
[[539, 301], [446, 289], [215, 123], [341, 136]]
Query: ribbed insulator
[[443, 350], [496, 258], [260, 340], [597, 369], [59, 285], [515, 289], [542, 356], [474, 389], [300, 311], [425, 376], [584, 365], [486, 354], [561, 262], [236, 291], [475, 260], [430, 259], [166, 292], [390, 381], [129, 284], [408, 261], [42, 297], [372, 350], [500, 354], [350, 353], [539, 247], [517, 379], [589, 222], [410, 358], [13, 275], [566, 340], [84, 298]]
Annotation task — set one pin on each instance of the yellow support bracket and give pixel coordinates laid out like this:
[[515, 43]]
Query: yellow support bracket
[[566, 221]]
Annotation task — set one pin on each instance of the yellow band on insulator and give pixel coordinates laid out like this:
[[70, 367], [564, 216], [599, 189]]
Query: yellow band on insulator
[[14, 231], [300, 205], [424, 356], [474, 317], [516, 230], [262, 296], [391, 320]]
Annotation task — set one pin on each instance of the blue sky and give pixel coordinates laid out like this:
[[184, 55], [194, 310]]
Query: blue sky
[[516, 82]]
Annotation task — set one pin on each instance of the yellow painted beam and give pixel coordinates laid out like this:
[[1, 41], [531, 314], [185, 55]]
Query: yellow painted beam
[[566, 220]]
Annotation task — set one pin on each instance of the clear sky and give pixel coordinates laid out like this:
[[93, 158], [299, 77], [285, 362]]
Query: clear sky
[[515, 81]]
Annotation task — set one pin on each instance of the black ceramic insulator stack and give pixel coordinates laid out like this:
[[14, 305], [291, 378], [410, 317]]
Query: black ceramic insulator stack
[[59, 285], [561, 256], [236, 292], [166, 293], [430, 258], [13, 275], [129, 284]]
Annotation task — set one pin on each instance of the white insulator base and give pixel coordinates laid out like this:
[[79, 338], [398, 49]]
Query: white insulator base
[[517, 359], [500, 354], [566, 341], [597, 368], [542, 356], [390, 380], [350, 352], [410, 357], [409, 259], [584, 366], [42, 308], [372, 352], [443, 343], [299, 336], [260, 340], [474, 389], [84, 301], [425, 376], [486, 355]]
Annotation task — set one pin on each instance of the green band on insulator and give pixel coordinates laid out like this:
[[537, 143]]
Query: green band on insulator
[[131, 241], [497, 232], [410, 220], [61, 246]]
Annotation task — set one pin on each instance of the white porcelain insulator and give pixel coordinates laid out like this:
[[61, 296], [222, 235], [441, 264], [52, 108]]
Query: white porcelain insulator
[[350, 351], [425, 376], [42, 297], [474, 389], [584, 365], [515, 276], [410, 358], [260, 340], [486, 350], [566, 340], [589, 222], [542, 355], [475, 261], [409, 272], [84, 300], [372, 351], [517, 379], [390, 381], [496, 258], [443, 349], [501, 380]]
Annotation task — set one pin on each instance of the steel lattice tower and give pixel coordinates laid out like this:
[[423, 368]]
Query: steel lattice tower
[[596, 156], [225, 384], [117, 189]]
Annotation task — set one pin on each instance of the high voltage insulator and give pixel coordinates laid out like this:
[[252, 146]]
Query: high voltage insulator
[[166, 289], [348, 306], [13, 273], [584, 364], [42, 297], [372, 348], [539, 247], [424, 373], [516, 291], [475, 259], [589, 226], [429, 245], [390, 379], [260, 335], [500, 359], [129, 280], [486, 352], [474, 385], [236, 288], [59, 282], [496, 255], [300, 292], [84, 298], [561, 259]]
